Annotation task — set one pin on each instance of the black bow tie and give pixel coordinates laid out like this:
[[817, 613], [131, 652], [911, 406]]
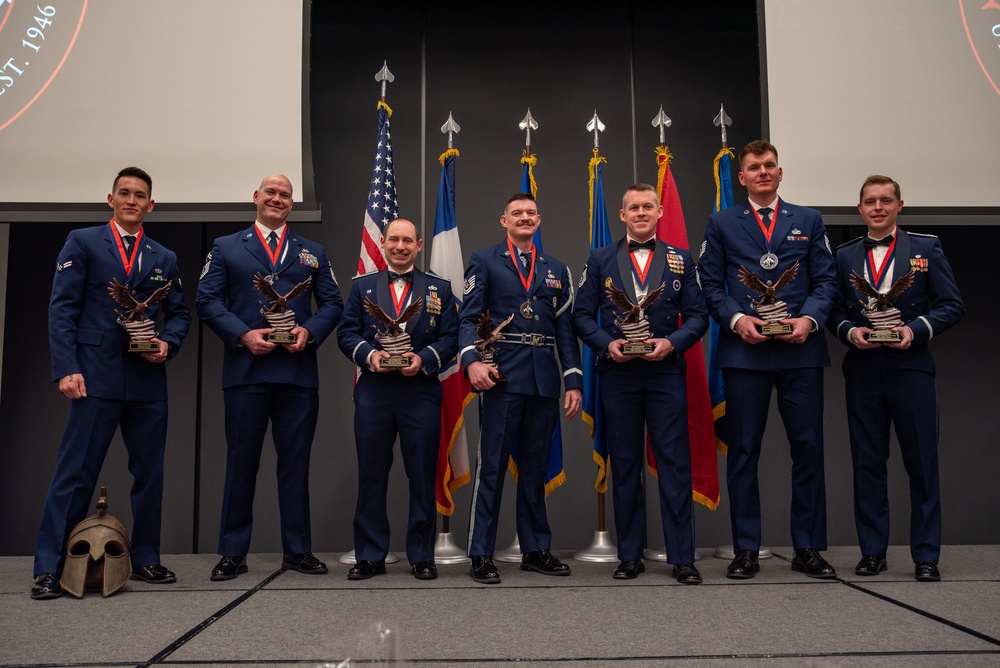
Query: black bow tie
[[406, 276], [872, 243], [649, 244]]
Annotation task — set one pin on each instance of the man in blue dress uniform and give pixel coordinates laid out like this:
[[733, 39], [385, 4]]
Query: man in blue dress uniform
[[398, 401], [514, 279], [768, 238], [648, 389], [109, 387], [893, 382], [265, 381]]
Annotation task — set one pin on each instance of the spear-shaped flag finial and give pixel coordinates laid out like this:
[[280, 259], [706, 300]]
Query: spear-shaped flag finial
[[384, 76], [450, 128], [596, 126], [662, 121], [721, 121], [527, 124]]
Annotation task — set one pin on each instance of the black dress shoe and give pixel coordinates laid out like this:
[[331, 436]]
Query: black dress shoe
[[46, 586], [484, 570], [424, 570], [229, 567], [303, 562], [364, 569], [810, 562], [542, 561], [629, 569], [743, 566], [870, 565], [925, 571], [155, 574], [687, 574]]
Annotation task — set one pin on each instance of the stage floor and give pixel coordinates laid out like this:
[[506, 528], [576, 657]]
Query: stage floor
[[272, 618]]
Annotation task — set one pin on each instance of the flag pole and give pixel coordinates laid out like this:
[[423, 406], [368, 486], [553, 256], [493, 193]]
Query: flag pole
[[384, 76], [512, 553], [446, 550], [721, 121], [601, 548]]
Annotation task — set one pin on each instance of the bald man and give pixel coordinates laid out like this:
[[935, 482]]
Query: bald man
[[266, 380]]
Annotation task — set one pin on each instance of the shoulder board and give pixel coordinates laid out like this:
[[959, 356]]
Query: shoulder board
[[437, 276], [848, 243], [921, 234], [373, 271]]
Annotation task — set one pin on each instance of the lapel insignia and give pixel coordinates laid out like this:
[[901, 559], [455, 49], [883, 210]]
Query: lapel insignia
[[308, 259], [675, 262]]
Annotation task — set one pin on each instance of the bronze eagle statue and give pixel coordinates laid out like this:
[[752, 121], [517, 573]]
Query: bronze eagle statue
[[633, 312], [392, 327], [899, 286], [487, 333], [751, 280], [278, 302], [134, 309]]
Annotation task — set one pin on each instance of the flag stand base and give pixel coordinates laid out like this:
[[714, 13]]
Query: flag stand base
[[727, 552], [601, 549], [512, 554], [348, 558], [446, 551]]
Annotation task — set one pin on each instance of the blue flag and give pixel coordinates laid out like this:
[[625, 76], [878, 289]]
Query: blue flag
[[716, 388], [593, 408]]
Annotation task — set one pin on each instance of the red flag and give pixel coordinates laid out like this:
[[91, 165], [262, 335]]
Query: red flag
[[701, 425]]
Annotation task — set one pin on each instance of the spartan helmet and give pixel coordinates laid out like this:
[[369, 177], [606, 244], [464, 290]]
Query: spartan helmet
[[97, 554]]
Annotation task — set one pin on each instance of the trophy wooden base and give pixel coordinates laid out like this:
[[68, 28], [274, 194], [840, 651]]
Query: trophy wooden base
[[774, 329], [637, 348], [394, 362], [884, 336], [143, 347], [280, 337]]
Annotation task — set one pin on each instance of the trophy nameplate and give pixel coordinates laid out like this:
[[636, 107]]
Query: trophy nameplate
[[279, 317], [140, 329], [485, 344], [880, 314], [393, 340], [633, 323], [768, 307]]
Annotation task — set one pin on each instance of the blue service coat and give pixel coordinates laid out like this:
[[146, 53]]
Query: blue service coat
[[492, 283], [230, 305], [733, 239]]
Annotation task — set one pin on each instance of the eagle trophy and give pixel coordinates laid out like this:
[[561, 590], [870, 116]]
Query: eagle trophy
[[488, 336], [279, 316], [769, 307], [393, 340], [633, 322], [141, 330], [878, 310]]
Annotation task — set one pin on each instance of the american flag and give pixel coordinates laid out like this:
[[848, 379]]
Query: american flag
[[382, 207]]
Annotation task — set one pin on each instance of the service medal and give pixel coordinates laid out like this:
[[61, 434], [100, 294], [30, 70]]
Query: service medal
[[527, 311]]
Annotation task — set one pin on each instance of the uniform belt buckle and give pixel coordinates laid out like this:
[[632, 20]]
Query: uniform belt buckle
[[536, 339]]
